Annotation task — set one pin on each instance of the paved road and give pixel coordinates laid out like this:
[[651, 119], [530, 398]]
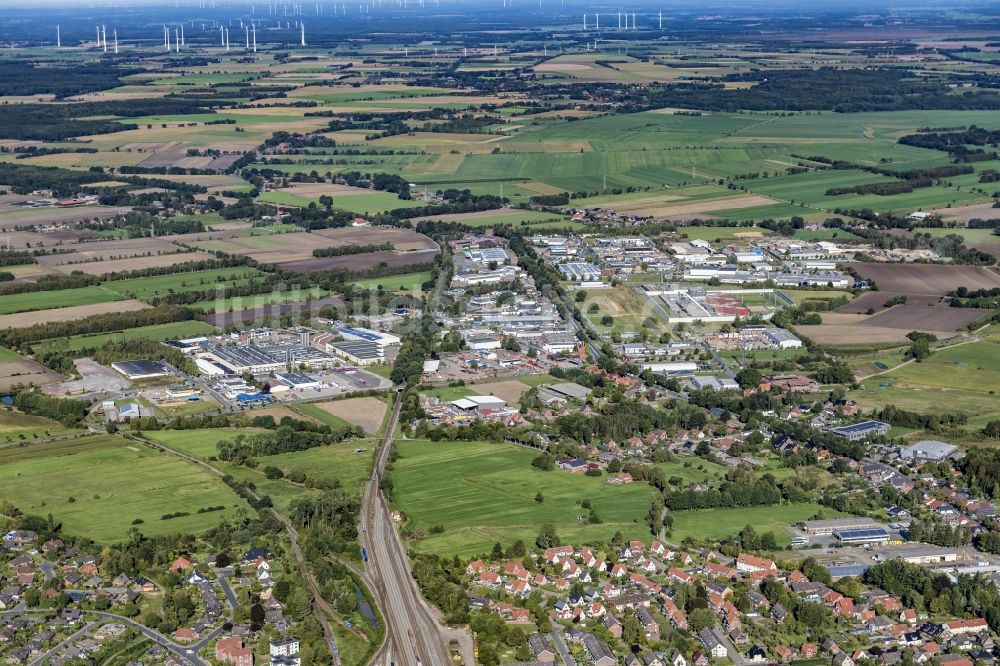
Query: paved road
[[58, 646], [187, 653], [414, 636], [557, 639]]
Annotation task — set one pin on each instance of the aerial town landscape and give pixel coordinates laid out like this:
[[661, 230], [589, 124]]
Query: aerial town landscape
[[499, 332]]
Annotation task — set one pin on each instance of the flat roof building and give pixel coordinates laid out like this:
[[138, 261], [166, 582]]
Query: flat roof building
[[580, 271], [297, 380], [859, 431], [874, 535], [782, 339], [928, 449], [141, 369], [360, 352], [815, 527]]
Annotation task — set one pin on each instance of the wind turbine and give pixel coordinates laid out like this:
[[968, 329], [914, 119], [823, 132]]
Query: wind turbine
[[116, 40], [58, 38]]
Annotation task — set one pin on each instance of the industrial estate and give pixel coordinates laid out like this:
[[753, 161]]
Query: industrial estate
[[430, 332]]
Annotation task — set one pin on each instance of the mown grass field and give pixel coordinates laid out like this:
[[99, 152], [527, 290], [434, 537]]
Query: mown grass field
[[720, 523], [97, 486], [485, 493]]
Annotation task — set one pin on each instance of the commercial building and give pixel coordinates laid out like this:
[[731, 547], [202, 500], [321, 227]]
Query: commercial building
[[782, 339], [858, 431], [820, 527], [483, 341], [580, 271], [259, 359], [141, 369], [487, 254], [672, 368], [379, 338], [874, 535], [296, 380], [359, 352], [479, 402], [710, 381], [928, 449]]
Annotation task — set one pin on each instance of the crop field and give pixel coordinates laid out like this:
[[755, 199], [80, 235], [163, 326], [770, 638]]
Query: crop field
[[927, 279], [98, 486], [485, 493], [43, 300], [132, 263], [489, 218], [29, 373], [162, 285], [366, 412], [924, 318], [408, 282], [68, 313]]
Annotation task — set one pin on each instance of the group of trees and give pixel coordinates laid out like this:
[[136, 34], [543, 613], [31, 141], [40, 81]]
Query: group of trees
[[283, 439], [741, 488]]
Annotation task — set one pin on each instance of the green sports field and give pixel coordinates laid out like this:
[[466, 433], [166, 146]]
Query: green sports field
[[484, 493], [97, 486]]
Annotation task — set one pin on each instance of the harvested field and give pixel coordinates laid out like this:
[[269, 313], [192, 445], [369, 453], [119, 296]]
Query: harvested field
[[22, 217], [365, 412], [925, 318], [246, 316], [402, 239], [927, 279], [661, 206], [840, 318], [24, 319], [847, 334], [133, 263], [294, 251], [984, 211], [510, 390], [13, 373], [356, 262], [876, 300], [114, 249]]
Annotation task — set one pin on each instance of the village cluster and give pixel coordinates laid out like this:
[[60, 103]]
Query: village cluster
[[60, 605]]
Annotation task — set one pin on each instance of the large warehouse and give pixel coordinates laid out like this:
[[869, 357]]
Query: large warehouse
[[359, 352], [141, 369], [260, 359]]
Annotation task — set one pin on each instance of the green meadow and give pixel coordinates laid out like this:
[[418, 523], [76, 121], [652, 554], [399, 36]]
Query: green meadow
[[103, 485], [485, 493]]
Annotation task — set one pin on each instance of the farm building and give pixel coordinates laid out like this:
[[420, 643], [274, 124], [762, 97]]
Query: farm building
[[928, 449], [564, 391], [859, 431], [141, 369], [359, 352]]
